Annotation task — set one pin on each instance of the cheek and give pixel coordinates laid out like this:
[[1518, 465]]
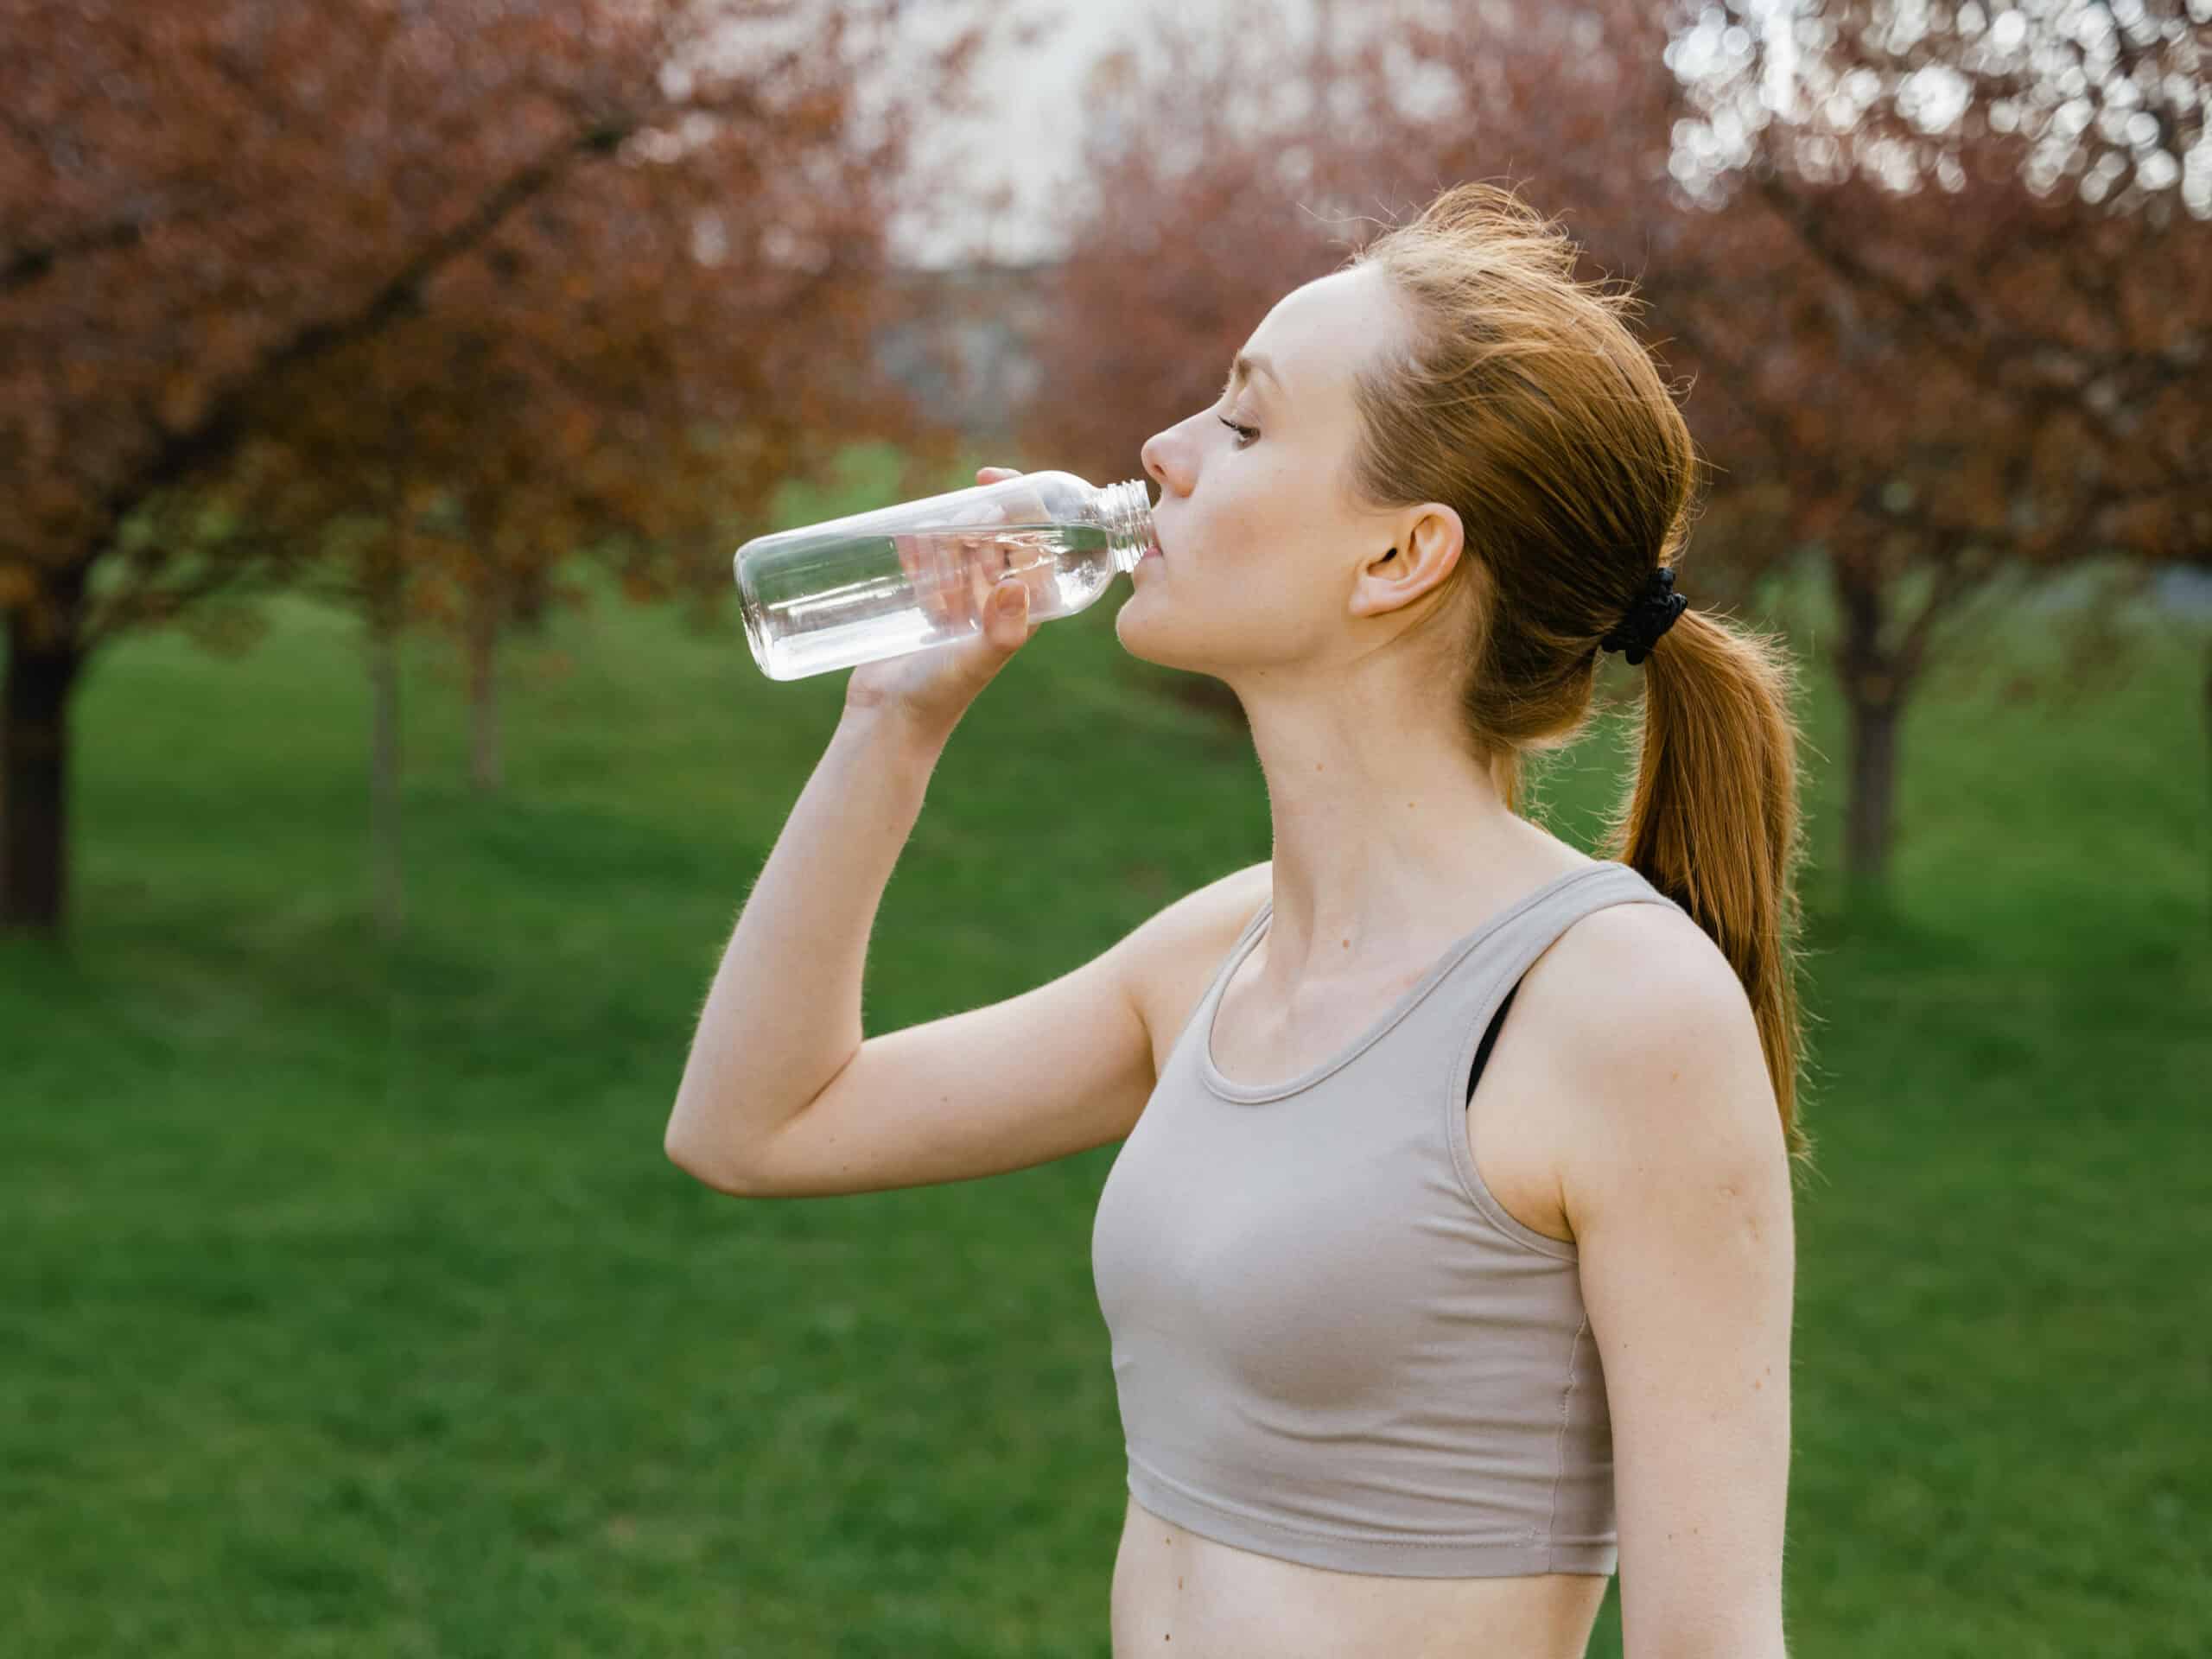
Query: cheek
[[1249, 512]]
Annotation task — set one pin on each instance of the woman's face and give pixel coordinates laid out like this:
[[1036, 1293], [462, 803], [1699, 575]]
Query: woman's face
[[1267, 558]]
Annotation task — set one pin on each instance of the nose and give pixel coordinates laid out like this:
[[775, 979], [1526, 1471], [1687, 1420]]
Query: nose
[[1165, 462]]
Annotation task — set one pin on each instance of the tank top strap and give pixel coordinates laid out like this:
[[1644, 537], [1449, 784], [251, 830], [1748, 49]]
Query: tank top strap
[[1201, 1017], [1454, 1016], [1458, 995]]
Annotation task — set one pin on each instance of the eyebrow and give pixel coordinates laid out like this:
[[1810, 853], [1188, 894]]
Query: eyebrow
[[1247, 364]]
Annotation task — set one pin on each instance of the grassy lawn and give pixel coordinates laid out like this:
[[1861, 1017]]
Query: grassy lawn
[[349, 1306]]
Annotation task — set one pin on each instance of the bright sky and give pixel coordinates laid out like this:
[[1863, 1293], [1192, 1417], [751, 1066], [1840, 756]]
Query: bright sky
[[1028, 138]]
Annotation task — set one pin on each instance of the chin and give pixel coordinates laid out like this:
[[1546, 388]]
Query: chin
[[1149, 637]]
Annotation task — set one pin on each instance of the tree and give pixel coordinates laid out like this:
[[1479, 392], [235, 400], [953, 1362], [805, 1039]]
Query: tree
[[1948, 386], [601, 265], [2018, 209]]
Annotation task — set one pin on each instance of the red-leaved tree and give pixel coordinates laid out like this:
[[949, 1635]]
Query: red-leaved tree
[[1988, 242], [465, 283], [1951, 381]]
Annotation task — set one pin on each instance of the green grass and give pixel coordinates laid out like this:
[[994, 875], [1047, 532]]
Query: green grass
[[349, 1306]]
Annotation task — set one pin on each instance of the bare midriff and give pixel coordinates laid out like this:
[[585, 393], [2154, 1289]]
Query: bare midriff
[[1177, 1593]]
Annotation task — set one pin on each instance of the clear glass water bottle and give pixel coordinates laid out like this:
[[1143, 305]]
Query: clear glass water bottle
[[908, 577]]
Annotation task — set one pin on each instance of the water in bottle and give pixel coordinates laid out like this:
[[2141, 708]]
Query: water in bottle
[[916, 576]]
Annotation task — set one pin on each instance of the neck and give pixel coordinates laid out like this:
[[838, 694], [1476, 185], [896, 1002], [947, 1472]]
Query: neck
[[1389, 835]]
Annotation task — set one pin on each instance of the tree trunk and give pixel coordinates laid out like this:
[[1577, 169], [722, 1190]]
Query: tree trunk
[[486, 773], [1869, 816], [1874, 697], [389, 873], [45, 655], [528, 599]]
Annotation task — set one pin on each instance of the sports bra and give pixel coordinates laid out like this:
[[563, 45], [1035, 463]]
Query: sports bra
[[1330, 1343]]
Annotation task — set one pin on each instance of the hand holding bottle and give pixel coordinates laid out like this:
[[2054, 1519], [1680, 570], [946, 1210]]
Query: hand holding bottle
[[915, 579], [965, 581]]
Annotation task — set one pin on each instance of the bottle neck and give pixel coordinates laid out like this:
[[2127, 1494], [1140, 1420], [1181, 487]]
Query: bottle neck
[[1125, 511]]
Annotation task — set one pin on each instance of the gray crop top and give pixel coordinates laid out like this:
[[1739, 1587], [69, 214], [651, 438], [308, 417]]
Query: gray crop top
[[1330, 1344]]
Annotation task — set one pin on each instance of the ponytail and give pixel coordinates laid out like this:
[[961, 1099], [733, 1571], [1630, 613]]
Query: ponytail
[[1524, 402], [1711, 821]]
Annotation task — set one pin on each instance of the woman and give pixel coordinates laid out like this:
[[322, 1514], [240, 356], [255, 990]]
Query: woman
[[1406, 1368]]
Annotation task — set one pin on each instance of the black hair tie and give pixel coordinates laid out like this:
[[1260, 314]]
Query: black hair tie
[[1652, 614]]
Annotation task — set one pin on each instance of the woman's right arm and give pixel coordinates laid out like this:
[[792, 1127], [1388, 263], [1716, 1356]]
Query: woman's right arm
[[782, 1018], [783, 1097]]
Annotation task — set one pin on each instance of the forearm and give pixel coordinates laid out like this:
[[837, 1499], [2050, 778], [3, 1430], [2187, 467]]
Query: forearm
[[783, 1016], [1709, 1633]]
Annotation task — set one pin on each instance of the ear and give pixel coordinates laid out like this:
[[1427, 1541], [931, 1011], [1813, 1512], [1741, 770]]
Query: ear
[[1429, 542]]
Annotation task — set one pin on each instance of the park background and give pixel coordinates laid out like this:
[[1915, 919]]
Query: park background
[[382, 393]]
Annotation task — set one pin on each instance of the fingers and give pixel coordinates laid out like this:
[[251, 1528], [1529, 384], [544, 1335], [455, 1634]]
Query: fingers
[[936, 567], [1007, 621], [988, 562], [957, 582], [954, 575]]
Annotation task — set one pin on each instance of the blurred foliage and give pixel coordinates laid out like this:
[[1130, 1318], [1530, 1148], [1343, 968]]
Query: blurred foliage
[[420, 299]]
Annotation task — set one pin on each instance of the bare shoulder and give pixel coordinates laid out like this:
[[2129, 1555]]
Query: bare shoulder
[[1172, 955], [1630, 960], [1675, 1180], [1658, 1057]]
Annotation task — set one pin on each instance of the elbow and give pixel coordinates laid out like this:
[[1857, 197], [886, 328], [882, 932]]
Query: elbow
[[707, 1170]]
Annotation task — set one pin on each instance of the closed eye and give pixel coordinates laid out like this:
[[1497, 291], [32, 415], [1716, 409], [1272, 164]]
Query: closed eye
[[1245, 434]]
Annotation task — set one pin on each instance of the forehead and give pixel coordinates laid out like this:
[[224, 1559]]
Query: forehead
[[1320, 333]]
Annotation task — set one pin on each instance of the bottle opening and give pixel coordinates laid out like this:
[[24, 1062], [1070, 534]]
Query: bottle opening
[[1127, 509]]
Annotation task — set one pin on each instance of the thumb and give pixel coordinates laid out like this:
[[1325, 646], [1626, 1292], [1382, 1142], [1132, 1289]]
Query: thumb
[[1006, 627], [1006, 620]]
